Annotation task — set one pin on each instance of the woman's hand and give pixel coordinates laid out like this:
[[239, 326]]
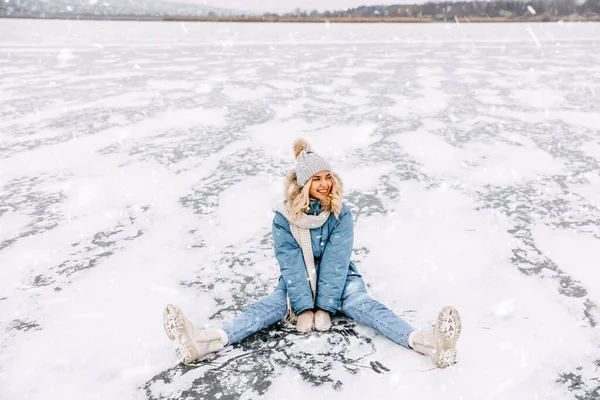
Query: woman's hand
[[306, 321], [322, 320]]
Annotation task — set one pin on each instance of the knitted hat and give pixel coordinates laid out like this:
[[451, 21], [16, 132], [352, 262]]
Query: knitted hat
[[308, 163]]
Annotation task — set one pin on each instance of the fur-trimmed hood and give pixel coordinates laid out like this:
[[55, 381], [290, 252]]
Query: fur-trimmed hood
[[291, 188]]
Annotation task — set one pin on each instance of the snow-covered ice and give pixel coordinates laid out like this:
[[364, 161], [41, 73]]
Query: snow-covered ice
[[139, 163]]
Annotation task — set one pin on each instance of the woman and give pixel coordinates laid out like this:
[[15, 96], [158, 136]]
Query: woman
[[313, 237]]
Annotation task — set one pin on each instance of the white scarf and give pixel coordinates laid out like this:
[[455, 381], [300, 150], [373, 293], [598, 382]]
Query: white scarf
[[301, 232]]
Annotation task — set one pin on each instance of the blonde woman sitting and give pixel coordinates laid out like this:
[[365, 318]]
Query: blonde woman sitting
[[313, 236]]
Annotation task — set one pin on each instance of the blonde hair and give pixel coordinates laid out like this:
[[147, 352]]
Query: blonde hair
[[298, 198]]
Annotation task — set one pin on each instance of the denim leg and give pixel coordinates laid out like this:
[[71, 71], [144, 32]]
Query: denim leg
[[259, 315], [365, 310]]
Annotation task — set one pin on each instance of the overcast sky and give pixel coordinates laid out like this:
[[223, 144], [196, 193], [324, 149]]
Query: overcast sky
[[290, 5]]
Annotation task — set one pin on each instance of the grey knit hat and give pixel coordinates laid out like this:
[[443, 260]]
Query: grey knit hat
[[308, 163]]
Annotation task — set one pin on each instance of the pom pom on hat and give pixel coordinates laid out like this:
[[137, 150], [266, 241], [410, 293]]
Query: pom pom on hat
[[308, 163], [299, 145]]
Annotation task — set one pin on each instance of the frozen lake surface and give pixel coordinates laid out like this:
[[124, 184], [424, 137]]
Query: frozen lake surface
[[139, 163]]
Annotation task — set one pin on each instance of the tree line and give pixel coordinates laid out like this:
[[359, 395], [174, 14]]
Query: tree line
[[459, 9], [499, 10]]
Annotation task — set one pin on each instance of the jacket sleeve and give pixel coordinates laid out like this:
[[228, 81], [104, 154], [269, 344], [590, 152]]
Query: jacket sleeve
[[291, 264], [335, 262]]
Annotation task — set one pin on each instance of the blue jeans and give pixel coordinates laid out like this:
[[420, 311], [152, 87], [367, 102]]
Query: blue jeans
[[358, 305]]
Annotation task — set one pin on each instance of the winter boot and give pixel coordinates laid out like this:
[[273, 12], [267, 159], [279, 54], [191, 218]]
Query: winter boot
[[439, 342], [322, 320], [191, 343]]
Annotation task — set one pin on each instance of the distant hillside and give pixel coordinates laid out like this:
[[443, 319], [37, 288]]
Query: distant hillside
[[443, 9], [476, 11], [109, 8]]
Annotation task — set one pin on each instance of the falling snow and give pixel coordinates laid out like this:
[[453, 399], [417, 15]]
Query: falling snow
[[140, 162]]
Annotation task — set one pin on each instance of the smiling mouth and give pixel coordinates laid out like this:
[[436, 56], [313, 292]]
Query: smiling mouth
[[323, 192]]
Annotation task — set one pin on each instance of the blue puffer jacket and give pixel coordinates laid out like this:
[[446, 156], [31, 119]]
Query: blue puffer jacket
[[332, 248]]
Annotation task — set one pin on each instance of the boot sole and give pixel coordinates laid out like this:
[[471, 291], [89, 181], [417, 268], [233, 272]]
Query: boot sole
[[174, 326], [173, 322], [449, 328]]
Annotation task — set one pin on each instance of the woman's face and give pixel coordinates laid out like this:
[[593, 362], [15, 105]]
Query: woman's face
[[320, 185]]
